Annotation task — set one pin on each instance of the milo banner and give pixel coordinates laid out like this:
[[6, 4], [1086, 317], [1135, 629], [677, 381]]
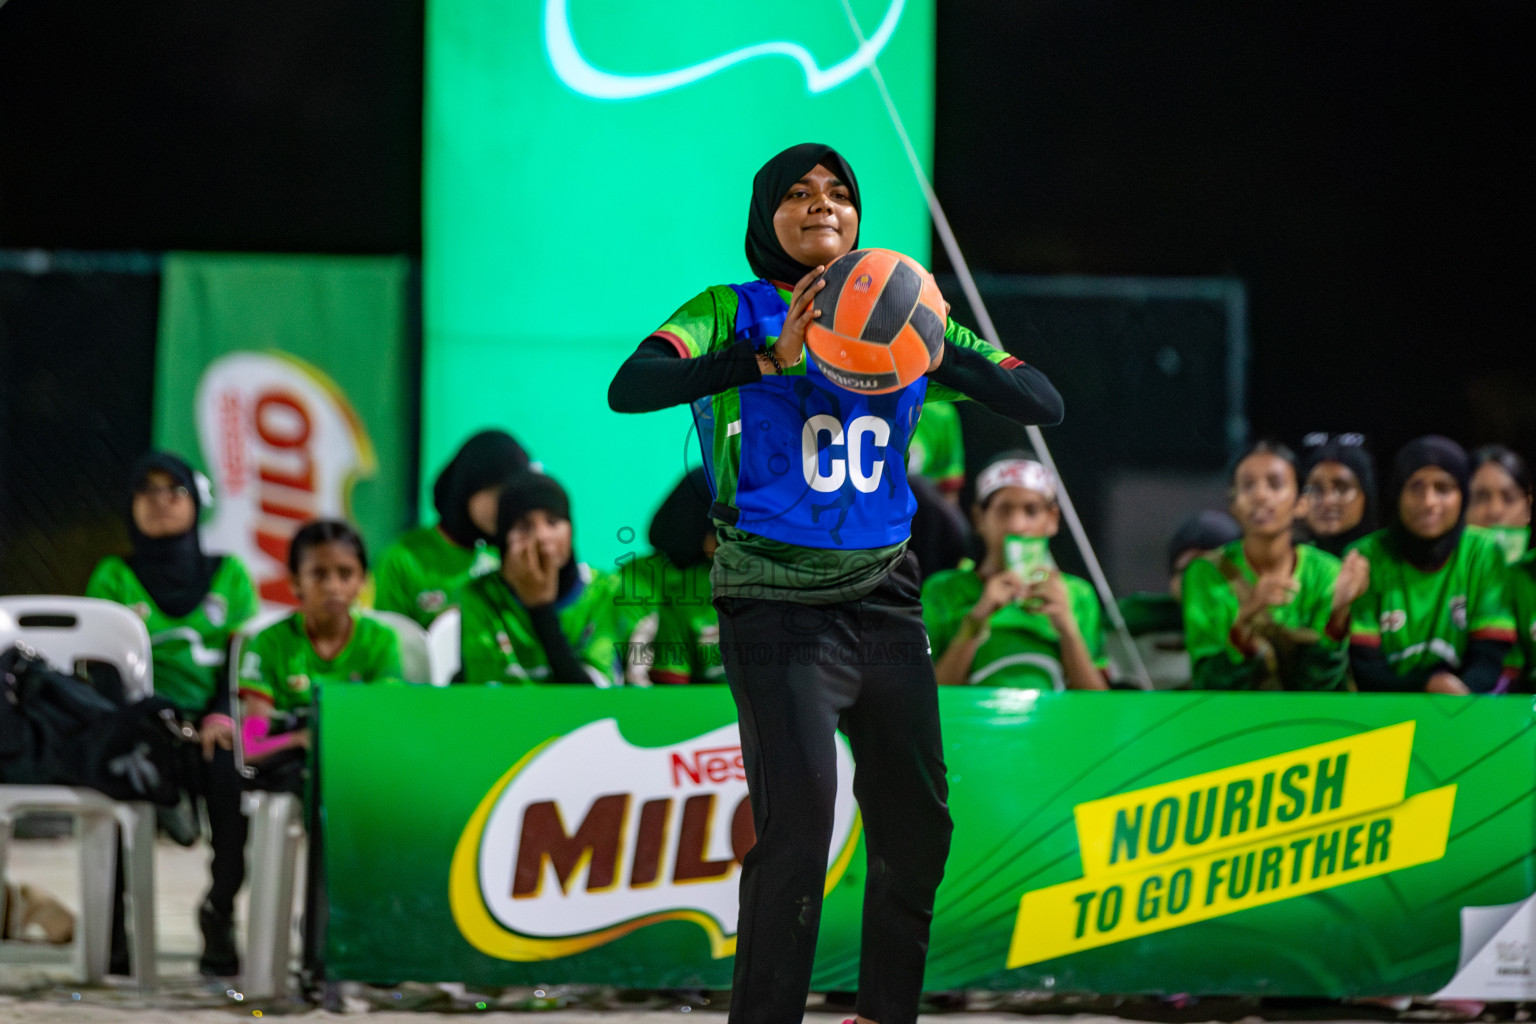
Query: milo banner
[[287, 380], [1222, 843]]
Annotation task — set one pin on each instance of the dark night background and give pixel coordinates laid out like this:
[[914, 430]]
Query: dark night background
[[1361, 167]]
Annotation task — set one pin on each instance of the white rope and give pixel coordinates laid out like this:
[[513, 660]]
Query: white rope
[[989, 331]]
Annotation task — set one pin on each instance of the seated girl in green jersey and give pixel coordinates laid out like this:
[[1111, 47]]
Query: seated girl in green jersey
[[325, 641], [192, 604], [544, 616], [421, 573], [991, 626], [1262, 612], [1501, 498], [1338, 477], [1436, 617], [679, 639]]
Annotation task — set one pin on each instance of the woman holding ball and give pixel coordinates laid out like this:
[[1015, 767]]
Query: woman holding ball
[[820, 625]]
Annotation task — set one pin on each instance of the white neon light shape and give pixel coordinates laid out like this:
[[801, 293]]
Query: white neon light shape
[[574, 70]]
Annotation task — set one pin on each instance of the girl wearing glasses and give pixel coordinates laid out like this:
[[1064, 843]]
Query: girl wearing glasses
[[192, 603], [1339, 480]]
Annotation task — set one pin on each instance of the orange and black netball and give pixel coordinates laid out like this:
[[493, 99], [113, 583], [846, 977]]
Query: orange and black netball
[[882, 322]]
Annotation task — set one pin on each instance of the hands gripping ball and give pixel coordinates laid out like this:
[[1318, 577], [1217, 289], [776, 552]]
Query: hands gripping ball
[[882, 322]]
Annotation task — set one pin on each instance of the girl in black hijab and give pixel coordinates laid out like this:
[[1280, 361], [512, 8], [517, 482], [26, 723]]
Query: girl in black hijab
[[192, 603], [422, 572], [544, 616], [1339, 476], [172, 566], [808, 534], [1436, 616]]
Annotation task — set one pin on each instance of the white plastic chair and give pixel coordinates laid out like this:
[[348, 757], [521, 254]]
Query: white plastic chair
[[443, 637], [415, 645], [68, 631], [277, 828], [271, 848]]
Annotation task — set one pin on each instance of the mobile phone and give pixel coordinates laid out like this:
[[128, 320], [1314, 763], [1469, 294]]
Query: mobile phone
[[1029, 557]]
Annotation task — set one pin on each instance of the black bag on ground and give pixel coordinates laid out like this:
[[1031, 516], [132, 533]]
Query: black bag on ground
[[57, 730]]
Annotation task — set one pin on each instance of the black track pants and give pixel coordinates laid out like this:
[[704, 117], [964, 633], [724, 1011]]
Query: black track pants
[[799, 673]]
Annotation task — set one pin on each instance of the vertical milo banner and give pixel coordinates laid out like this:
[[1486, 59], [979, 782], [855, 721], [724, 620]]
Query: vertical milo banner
[[588, 166], [287, 380], [1332, 844]]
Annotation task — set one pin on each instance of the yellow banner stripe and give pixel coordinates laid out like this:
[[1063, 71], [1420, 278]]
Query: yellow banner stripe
[[1095, 911], [1246, 803]]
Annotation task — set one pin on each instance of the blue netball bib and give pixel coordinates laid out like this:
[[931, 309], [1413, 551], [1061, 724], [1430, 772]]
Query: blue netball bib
[[814, 464]]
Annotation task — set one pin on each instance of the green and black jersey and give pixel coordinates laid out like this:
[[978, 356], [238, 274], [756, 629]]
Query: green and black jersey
[[281, 664], [189, 652], [1419, 620], [1293, 649], [1022, 649], [422, 572]]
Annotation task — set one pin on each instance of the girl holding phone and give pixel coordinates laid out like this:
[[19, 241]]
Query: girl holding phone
[[1015, 619]]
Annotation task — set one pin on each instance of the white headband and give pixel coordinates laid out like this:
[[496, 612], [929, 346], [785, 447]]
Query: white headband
[[1025, 473]]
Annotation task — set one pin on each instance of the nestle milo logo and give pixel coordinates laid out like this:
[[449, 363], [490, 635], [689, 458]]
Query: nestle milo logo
[[589, 837]]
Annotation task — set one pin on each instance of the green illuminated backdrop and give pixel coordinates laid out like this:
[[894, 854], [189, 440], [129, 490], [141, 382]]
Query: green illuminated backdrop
[[588, 168]]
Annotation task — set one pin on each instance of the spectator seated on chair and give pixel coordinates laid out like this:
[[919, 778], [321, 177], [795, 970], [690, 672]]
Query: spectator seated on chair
[[325, 641], [192, 603], [544, 617], [1015, 625], [422, 572], [1263, 612], [1501, 498], [1436, 617]]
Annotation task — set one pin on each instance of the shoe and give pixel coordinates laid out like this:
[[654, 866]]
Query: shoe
[[220, 959]]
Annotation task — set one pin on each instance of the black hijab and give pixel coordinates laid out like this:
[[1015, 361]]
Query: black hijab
[[1202, 531], [484, 461], [1360, 463], [764, 253], [173, 569], [679, 527], [1442, 453], [523, 492]]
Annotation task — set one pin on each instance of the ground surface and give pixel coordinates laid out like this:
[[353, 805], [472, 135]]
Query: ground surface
[[38, 993]]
